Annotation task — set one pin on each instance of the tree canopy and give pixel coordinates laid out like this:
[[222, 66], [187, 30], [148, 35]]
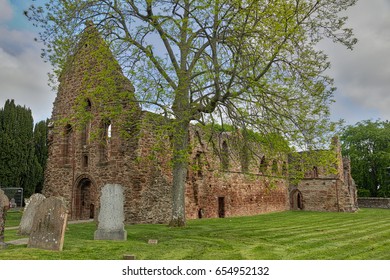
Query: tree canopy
[[367, 143], [20, 165], [252, 64]]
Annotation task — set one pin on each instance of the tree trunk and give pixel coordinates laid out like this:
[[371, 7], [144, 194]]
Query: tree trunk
[[180, 165]]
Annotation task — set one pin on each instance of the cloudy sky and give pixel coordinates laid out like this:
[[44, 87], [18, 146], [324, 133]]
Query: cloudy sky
[[362, 76]]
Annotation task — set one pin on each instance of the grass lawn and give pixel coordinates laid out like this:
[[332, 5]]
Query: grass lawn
[[288, 235], [13, 218]]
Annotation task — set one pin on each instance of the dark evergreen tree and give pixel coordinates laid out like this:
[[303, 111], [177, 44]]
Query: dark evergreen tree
[[40, 141], [19, 166]]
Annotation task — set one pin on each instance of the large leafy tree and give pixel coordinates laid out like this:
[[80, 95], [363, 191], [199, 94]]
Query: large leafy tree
[[367, 143], [253, 64]]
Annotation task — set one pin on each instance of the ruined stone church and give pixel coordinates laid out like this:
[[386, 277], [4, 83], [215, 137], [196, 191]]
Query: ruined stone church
[[85, 156]]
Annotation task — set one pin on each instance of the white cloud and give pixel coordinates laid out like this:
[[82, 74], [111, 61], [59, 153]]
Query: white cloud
[[23, 74], [363, 75], [5, 11]]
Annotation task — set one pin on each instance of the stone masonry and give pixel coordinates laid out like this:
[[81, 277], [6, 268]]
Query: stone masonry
[[326, 191], [86, 155]]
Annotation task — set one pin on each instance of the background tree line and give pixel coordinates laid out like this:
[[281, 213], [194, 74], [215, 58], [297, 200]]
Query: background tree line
[[23, 149], [367, 143]]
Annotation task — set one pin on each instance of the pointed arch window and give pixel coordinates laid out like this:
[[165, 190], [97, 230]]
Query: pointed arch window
[[225, 156], [88, 106], [315, 172], [105, 140], [67, 143], [263, 165], [87, 126], [199, 164]]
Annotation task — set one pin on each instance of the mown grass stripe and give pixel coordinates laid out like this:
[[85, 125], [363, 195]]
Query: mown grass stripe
[[285, 235]]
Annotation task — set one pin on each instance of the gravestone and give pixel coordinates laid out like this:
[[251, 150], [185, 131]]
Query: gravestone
[[111, 216], [12, 203], [4, 205], [49, 224], [26, 222]]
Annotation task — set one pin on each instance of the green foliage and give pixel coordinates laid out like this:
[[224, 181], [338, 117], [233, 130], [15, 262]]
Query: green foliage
[[293, 235], [41, 151], [367, 143], [253, 64], [23, 152], [363, 193]]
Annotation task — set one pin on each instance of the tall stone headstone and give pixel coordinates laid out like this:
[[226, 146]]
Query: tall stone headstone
[[26, 222], [111, 215], [4, 205], [48, 229]]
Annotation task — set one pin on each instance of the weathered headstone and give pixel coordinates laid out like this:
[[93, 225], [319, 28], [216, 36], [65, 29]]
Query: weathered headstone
[[4, 205], [48, 229], [12, 203], [111, 216], [26, 222]]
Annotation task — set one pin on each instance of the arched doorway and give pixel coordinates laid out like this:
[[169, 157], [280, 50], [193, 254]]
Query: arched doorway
[[296, 200], [84, 200]]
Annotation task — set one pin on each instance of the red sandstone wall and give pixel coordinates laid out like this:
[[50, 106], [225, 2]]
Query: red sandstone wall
[[140, 162]]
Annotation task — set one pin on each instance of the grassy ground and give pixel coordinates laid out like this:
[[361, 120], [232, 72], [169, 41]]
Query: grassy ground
[[289, 235], [13, 217]]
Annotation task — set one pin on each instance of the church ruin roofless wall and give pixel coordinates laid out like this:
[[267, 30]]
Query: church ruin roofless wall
[[325, 190], [90, 150], [130, 147]]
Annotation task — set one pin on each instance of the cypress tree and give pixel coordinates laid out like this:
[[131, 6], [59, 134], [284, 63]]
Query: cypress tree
[[19, 166], [40, 142]]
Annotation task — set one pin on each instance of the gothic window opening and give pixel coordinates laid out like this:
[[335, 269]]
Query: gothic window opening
[[263, 165], [67, 143], [109, 132], [199, 164], [105, 141], [85, 134], [225, 156], [315, 172], [88, 107], [85, 161]]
